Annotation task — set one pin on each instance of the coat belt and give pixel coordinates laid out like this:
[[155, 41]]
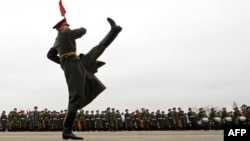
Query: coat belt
[[67, 54]]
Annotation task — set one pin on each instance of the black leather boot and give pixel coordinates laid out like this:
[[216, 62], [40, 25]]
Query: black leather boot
[[90, 59], [67, 127], [115, 29]]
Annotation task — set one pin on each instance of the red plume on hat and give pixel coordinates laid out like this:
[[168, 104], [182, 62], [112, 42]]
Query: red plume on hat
[[62, 9]]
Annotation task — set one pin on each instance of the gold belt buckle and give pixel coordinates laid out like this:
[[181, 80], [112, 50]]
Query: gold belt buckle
[[67, 54]]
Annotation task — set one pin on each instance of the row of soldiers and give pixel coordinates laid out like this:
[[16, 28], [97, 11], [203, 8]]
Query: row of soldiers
[[113, 120]]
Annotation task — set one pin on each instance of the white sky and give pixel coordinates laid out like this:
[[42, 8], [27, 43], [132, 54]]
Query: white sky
[[170, 53]]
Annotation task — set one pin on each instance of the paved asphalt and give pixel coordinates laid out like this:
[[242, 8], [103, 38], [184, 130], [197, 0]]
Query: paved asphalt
[[210, 135]]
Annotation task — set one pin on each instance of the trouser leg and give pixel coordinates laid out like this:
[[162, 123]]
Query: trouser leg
[[91, 57]]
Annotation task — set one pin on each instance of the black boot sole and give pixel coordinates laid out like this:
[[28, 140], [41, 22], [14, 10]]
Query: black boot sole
[[66, 138]]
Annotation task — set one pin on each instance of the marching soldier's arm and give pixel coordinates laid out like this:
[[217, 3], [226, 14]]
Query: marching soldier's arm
[[52, 55], [77, 33]]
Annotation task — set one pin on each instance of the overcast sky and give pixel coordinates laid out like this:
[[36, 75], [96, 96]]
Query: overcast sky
[[170, 53]]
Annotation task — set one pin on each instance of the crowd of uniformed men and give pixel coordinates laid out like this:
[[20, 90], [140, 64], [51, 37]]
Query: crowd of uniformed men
[[112, 119]]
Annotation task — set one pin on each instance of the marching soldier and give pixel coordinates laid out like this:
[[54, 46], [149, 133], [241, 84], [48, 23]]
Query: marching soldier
[[153, 121], [137, 120], [165, 123], [54, 121], [201, 113], [159, 123], [215, 119], [36, 119], [144, 119], [182, 120], [61, 118], [114, 119], [14, 120], [80, 70], [226, 118], [212, 113], [75, 125], [92, 120], [46, 119], [110, 119], [123, 120], [171, 119], [81, 120], [88, 122], [203, 119], [134, 126], [147, 122], [247, 114], [224, 113], [236, 115], [9, 121], [192, 117], [119, 120], [23, 120], [4, 121], [128, 120], [98, 121], [29, 121], [175, 113], [104, 121]]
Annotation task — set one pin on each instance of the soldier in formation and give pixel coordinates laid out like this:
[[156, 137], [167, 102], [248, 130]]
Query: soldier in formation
[[112, 120], [4, 121]]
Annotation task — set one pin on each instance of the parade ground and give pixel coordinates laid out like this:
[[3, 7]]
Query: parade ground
[[199, 135]]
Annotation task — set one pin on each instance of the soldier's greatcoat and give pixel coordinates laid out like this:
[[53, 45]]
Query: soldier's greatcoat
[[83, 85]]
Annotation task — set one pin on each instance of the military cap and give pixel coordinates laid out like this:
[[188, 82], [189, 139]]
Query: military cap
[[60, 23], [35, 107]]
